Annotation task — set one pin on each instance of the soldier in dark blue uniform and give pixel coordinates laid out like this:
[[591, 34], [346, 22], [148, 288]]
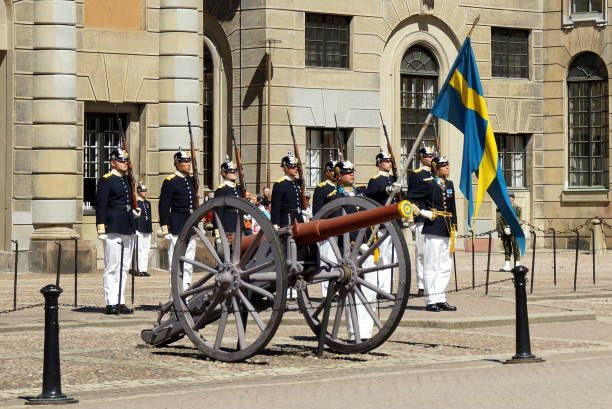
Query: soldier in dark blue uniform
[[379, 188], [420, 184], [229, 172], [439, 231], [115, 225], [383, 183], [323, 189], [176, 204], [144, 229], [286, 194]]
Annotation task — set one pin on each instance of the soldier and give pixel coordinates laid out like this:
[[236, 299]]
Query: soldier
[[507, 236], [323, 189], [420, 184], [286, 194], [345, 177], [143, 231], [176, 204], [319, 197], [439, 229], [229, 173], [115, 225], [379, 188]]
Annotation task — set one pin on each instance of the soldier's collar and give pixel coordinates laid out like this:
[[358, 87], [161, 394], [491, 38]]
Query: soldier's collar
[[427, 168], [330, 182], [116, 172], [229, 183], [140, 199], [289, 178], [180, 174], [384, 173]]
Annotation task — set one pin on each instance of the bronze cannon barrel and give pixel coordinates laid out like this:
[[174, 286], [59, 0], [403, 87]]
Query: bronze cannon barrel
[[318, 230]]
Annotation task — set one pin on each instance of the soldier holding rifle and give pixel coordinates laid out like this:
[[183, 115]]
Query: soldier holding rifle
[[143, 231], [229, 187], [116, 226], [287, 194], [176, 204]]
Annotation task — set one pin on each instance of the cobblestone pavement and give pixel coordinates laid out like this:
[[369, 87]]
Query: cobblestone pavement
[[104, 360]]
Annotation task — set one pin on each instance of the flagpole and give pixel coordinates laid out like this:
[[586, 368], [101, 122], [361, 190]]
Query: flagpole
[[429, 118]]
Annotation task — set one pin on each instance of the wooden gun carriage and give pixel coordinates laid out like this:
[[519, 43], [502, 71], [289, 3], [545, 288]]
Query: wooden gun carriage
[[249, 277]]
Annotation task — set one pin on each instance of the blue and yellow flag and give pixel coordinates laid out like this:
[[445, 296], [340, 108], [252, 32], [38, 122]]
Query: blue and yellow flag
[[461, 102]]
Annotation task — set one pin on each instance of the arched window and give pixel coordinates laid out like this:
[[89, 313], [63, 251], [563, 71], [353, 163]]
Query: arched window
[[419, 88], [207, 129], [587, 85]]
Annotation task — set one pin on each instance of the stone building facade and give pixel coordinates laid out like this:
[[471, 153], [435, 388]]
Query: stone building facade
[[68, 66]]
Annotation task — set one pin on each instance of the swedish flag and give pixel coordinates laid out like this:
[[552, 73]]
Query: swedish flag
[[461, 102]]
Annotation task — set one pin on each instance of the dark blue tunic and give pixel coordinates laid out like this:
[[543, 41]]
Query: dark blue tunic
[[176, 202], [320, 195], [286, 199], [228, 216], [377, 186], [144, 222], [442, 200], [420, 185], [113, 204]]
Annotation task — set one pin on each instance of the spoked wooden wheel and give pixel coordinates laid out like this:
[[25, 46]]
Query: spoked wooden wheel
[[236, 298], [371, 284]]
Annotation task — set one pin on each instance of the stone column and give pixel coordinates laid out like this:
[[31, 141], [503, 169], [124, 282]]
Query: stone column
[[180, 48], [55, 162]]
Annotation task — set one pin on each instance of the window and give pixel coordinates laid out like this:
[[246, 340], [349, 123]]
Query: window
[[101, 138], [510, 53], [321, 147], [207, 153], [587, 83], [327, 41], [511, 149], [584, 11], [587, 6], [419, 88]]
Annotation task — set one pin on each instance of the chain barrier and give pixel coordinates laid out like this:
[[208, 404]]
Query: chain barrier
[[289, 308], [27, 307]]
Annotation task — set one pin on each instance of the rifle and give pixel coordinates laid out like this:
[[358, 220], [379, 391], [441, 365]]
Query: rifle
[[300, 172], [339, 141], [239, 165], [389, 148], [130, 173], [194, 165]]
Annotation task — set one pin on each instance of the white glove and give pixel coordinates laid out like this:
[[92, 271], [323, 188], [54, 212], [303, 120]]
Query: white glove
[[394, 188], [428, 214], [363, 248], [102, 236], [412, 226], [137, 212], [168, 236], [507, 231]]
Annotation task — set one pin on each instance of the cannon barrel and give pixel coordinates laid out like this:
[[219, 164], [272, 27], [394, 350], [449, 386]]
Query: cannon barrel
[[319, 230]]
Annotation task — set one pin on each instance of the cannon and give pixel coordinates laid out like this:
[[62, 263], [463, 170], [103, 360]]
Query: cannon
[[247, 279]]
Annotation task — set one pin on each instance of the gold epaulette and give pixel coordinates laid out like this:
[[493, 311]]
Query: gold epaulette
[[171, 177], [428, 179], [220, 186], [321, 184], [375, 176], [279, 180], [107, 175], [332, 193], [361, 186], [417, 170]]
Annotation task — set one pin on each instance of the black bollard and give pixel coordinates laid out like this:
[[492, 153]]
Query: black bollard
[[52, 378], [523, 344], [15, 276]]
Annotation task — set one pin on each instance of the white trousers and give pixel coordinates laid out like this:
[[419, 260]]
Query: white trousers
[[325, 250], [388, 255], [419, 253], [366, 323], [189, 253], [144, 246], [112, 264], [437, 265]]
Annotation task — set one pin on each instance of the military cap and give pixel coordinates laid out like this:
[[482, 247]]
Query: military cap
[[290, 160], [426, 151], [120, 155], [382, 156], [228, 165], [181, 156], [141, 187], [439, 160], [344, 166]]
